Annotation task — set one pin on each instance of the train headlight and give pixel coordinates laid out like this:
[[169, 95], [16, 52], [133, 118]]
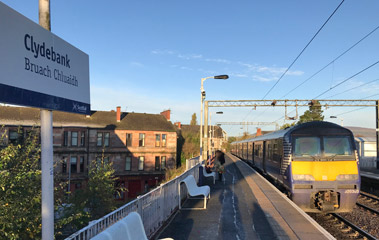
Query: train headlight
[[347, 177], [303, 177]]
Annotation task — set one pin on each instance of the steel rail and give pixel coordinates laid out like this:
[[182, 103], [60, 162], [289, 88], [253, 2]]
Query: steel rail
[[354, 227], [372, 197], [368, 208]]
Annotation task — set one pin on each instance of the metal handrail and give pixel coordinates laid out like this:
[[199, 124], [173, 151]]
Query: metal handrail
[[154, 207]]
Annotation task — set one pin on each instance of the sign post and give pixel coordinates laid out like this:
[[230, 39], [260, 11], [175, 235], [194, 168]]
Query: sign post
[[47, 155], [41, 70]]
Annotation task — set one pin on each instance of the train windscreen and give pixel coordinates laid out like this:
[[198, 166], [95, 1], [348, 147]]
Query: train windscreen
[[307, 146], [322, 148], [337, 146]]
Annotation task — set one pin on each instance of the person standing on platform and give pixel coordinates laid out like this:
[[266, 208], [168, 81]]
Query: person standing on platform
[[219, 164]]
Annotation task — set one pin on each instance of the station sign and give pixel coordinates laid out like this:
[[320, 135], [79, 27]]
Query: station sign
[[39, 69]]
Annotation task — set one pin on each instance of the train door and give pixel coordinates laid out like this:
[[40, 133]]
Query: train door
[[247, 151], [253, 154], [264, 156]]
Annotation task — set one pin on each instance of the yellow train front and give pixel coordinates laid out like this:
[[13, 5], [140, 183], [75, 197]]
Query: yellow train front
[[316, 162]]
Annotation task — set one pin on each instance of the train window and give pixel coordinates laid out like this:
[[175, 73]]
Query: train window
[[307, 146], [337, 146]]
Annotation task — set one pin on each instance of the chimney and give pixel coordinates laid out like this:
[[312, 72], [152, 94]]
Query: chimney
[[178, 125], [166, 114], [259, 132], [118, 116]]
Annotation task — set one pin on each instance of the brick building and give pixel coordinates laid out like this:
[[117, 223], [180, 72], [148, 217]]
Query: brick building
[[141, 146]]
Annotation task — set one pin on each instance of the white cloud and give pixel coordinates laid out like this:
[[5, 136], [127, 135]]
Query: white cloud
[[263, 79], [136, 64], [218, 60], [190, 56], [163, 52]]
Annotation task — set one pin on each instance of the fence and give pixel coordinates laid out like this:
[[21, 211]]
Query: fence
[[368, 162], [192, 162], [155, 207]]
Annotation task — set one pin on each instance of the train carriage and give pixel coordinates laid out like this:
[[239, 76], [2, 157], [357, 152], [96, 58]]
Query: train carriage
[[316, 162]]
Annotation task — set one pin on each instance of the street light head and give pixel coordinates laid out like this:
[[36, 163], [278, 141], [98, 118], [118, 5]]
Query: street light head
[[220, 112], [224, 77], [333, 116]]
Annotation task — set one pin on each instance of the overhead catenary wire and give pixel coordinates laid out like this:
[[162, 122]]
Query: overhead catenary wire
[[331, 62], [353, 88], [357, 109], [310, 41], [347, 79]]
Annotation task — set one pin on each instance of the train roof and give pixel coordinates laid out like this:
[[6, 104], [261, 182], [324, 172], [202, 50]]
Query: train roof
[[285, 132]]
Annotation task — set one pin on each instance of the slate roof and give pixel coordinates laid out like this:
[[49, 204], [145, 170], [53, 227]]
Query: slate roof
[[363, 132], [98, 119]]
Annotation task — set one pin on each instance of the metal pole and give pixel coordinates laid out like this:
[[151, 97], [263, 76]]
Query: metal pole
[[210, 134], [47, 166], [201, 119], [205, 153], [47, 175], [377, 134]]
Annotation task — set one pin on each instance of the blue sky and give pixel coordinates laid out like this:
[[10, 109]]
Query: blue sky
[[147, 56]]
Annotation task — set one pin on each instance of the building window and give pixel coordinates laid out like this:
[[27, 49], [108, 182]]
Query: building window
[[65, 138], [129, 139], [106, 139], [99, 141], [163, 162], [13, 136], [73, 163], [157, 140], [164, 140], [74, 138], [128, 163], [82, 139], [81, 164], [141, 139], [157, 163], [141, 163], [64, 165]]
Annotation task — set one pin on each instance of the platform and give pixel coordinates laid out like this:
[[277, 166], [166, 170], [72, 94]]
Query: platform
[[370, 173], [243, 206]]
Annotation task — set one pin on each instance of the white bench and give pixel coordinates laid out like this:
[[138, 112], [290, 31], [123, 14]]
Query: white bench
[[128, 228], [193, 190], [212, 174]]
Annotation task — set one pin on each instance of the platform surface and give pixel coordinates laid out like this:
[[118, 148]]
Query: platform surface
[[242, 206], [370, 173]]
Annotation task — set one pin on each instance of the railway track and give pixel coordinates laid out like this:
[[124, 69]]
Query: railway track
[[352, 230], [369, 203]]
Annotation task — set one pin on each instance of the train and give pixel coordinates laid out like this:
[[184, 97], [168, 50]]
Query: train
[[316, 163]]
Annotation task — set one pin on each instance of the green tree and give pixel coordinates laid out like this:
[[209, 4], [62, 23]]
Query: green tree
[[193, 120], [20, 188], [313, 114], [97, 198], [286, 125]]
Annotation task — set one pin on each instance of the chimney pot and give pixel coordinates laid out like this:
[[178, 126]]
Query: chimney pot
[[166, 114], [118, 115], [259, 132]]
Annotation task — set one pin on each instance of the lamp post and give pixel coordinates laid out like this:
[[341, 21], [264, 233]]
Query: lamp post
[[221, 77], [211, 133], [339, 118]]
